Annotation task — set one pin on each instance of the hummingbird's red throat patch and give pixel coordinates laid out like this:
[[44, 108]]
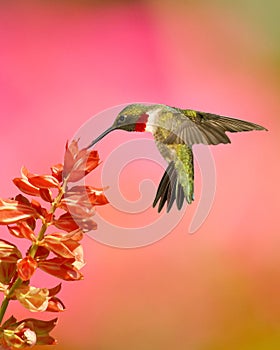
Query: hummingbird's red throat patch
[[141, 122]]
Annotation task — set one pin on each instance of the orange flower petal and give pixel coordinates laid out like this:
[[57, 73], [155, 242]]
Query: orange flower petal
[[92, 161], [9, 254], [55, 290], [98, 198], [61, 268], [41, 253], [44, 181], [76, 235], [42, 329], [87, 224], [68, 160], [60, 246], [22, 230], [8, 250], [46, 194], [32, 298], [20, 338], [55, 305], [26, 268], [73, 147], [15, 333], [12, 211], [15, 231], [57, 171], [90, 194], [26, 173], [22, 199], [79, 256], [25, 186], [76, 175], [39, 209], [79, 163], [31, 223], [7, 271], [66, 222], [77, 207]]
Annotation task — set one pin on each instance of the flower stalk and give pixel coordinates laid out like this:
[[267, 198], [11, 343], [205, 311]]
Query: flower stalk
[[7, 298]]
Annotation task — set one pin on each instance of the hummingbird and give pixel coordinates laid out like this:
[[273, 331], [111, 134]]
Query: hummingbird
[[175, 131]]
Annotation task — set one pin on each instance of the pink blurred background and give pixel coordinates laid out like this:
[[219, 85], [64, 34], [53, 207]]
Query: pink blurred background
[[61, 63]]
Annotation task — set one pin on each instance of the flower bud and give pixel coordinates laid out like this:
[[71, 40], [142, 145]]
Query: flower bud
[[9, 254], [26, 267], [20, 338], [26, 333]]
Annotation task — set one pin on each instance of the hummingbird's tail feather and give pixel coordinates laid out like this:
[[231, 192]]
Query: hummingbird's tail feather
[[164, 192], [180, 196], [171, 193], [169, 189]]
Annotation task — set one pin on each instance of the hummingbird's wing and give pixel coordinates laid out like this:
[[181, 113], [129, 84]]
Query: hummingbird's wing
[[206, 128]]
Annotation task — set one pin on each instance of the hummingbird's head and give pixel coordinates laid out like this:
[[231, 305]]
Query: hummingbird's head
[[134, 117]]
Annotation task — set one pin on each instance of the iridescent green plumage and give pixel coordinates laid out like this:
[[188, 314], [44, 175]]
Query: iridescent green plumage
[[185, 169], [178, 181]]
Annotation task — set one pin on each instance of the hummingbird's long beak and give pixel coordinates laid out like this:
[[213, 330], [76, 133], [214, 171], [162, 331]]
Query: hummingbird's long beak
[[101, 136]]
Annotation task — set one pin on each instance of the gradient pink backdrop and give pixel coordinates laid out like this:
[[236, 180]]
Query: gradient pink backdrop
[[62, 63]]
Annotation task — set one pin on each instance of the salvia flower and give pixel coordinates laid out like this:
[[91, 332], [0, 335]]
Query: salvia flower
[[26, 333], [69, 210], [38, 299], [9, 255], [79, 163], [26, 267]]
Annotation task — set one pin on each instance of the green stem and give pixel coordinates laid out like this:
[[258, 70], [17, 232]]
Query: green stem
[[44, 227], [35, 245], [7, 298]]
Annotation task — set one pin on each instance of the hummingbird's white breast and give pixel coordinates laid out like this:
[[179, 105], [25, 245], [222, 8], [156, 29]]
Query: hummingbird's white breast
[[152, 122]]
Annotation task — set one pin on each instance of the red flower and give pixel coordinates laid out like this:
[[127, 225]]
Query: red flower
[[26, 333], [38, 185], [25, 186], [66, 222], [79, 163], [46, 194], [44, 181], [81, 218], [12, 211], [38, 208], [41, 253], [39, 299], [22, 230], [26, 267], [63, 244], [55, 305], [86, 195], [61, 268], [9, 255], [8, 251], [57, 171], [80, 202]]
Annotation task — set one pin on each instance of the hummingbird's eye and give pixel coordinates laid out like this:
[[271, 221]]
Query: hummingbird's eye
[[121, 118]]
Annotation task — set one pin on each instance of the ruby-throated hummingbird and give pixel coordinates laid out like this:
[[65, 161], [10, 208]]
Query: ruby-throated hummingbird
[[175, 131]]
